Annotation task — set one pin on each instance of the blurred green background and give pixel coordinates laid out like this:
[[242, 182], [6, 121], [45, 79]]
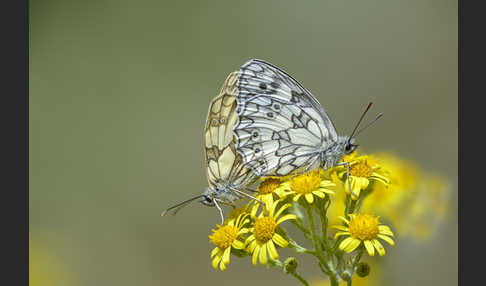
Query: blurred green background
[[119, 92]]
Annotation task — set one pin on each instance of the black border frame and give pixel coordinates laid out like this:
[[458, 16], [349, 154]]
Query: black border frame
[[15, 43]]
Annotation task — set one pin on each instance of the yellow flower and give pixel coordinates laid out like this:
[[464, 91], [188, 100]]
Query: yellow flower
[[362, 171], [266, 191], [226, 237], [308, 185], [264, 235], [364, 228], [422, 196]]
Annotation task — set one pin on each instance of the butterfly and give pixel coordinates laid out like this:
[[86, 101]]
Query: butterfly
[[225, 171], [282, 128]]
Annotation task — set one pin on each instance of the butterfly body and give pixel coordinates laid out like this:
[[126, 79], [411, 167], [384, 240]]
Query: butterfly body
[[223, 193], [282, 127]]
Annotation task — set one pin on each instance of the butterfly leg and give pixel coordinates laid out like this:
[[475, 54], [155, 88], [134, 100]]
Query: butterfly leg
[[250, 190], [247, 195], [349, 183], [219, 209]]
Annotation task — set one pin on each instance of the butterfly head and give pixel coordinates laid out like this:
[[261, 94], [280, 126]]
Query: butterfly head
[[207, 197], [349, 146]]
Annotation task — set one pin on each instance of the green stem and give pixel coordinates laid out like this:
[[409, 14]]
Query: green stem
[[300, 278], [324, 224], [334, 280], [315, 238], [324, 258], [298, 248], [299, 225]]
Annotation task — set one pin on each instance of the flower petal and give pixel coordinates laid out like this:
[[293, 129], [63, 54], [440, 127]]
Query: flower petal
[[387, 239], [238, 244], [216, 260], [263, 254], [369, 247], [380, 178], [340, 227], [379, 247], [310, 198], [296, 197], [243, 231], [385, 230], [352, 245], [339, 233], [319, 193], [226, 256], [251, 246], [344, 219], [279, 240], [215, 250], [256, 251], [222, 266], [345, 242], [272, 251], [279, 212], [286, 217], [250, 239], [327, 183]]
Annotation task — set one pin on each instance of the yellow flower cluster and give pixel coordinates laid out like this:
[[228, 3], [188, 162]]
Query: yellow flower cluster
[[353, 200], [254, 228], [262, 235], [396, 189]]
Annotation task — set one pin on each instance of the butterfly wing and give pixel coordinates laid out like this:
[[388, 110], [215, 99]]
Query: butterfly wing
[[223, 164], [282, 126]]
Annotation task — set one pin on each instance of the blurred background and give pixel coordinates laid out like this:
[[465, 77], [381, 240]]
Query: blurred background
[[119, 92]]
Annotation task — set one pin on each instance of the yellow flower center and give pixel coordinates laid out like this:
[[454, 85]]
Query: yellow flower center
[[268, 186], [224, 236], [264, 229], [361, 169], [306, 183], [364, 227]]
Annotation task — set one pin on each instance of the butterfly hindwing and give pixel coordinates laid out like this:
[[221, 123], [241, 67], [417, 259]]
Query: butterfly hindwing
[[281, 127], [223, 163]]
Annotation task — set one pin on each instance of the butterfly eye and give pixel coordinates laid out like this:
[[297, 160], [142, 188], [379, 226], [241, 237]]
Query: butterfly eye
[[263, 85], [222, 120], [254, 134], [276, 106], [349, 148], [270, 115], [214, 122]]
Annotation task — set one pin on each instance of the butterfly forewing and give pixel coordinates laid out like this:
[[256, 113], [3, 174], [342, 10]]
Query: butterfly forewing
[[224, 165], [281, 127]]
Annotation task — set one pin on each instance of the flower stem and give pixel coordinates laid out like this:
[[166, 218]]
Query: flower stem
[[334, 280], [300, 278]]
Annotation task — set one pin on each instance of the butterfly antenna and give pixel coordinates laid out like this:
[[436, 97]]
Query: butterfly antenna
[[179, 205], [360, 119], [369, 124]]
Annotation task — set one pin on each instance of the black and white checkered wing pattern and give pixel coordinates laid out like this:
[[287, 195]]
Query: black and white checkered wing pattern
[[281, 126]]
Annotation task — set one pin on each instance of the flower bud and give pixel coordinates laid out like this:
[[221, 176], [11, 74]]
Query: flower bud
[[363, 269], [290, 265]]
